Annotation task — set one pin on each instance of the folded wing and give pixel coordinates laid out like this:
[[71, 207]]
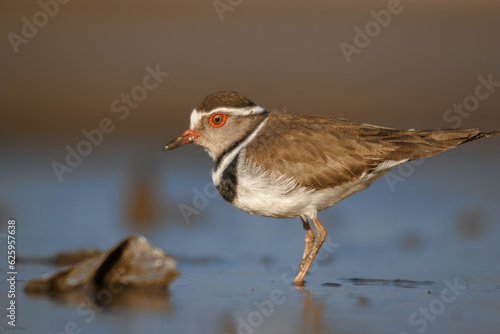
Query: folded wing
[[323, 152]]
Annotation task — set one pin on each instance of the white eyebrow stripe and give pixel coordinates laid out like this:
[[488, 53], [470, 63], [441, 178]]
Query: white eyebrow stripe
[[236, 111], [197, 115], [195, 119]]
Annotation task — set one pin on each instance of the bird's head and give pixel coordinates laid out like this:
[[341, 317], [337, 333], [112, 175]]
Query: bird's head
[[219, 122]]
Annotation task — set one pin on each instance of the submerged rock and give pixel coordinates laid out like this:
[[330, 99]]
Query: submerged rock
[[132, 263]]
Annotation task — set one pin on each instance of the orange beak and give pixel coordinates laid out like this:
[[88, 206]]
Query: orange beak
[[186, 138]]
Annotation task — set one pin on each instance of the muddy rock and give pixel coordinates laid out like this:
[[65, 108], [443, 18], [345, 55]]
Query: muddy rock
[[132, 263]]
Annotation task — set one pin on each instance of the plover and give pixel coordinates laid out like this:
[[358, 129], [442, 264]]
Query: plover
[[283, 165]]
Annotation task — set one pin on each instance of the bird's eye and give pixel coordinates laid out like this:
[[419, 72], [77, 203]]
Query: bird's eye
[[217, 120]]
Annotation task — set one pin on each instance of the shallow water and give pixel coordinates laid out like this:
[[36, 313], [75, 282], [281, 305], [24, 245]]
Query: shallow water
[[421, 258]]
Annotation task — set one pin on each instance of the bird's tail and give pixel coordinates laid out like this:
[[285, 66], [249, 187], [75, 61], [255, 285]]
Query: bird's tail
[[482, 135], [422, 144]]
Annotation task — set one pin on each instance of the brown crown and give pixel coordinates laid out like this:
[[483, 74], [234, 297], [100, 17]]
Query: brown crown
[[224, 99]]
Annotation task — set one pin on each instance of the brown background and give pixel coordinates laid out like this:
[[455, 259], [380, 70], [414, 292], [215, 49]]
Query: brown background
[[279, 53]]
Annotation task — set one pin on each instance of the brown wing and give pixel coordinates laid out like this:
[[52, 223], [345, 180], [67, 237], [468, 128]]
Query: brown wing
[[323, 152]]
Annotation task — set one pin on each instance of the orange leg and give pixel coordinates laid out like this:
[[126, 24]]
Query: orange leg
[[308, 258], [308, 241]]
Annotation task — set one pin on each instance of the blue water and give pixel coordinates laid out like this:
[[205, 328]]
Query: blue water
[[442, 224]]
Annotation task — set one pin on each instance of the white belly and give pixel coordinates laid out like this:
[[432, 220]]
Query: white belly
[[260, 192]]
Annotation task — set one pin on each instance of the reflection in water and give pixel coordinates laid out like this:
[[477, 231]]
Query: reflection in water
[[141, 203], [226, 325], [412, 241], [472, 223], [312, 314], [93, 301], [362, 301], [312, 321], [141, 208]]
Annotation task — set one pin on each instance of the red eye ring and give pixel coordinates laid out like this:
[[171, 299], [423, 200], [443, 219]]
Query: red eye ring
[[218, 119]]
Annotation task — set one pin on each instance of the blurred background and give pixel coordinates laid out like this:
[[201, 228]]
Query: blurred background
[[68, 69]]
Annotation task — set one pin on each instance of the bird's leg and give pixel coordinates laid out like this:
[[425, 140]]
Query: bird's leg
[[318, 241], [308, 241]]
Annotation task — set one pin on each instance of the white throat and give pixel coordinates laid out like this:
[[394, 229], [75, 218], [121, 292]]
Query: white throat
[[229, 157]]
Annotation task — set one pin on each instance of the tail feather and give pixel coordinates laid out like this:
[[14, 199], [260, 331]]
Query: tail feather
[[414, 145], [482, 135]]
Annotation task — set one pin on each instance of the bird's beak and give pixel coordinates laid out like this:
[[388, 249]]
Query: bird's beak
[[186, 138]]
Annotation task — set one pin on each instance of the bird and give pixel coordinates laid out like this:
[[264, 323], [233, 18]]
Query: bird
[[289, 165]]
